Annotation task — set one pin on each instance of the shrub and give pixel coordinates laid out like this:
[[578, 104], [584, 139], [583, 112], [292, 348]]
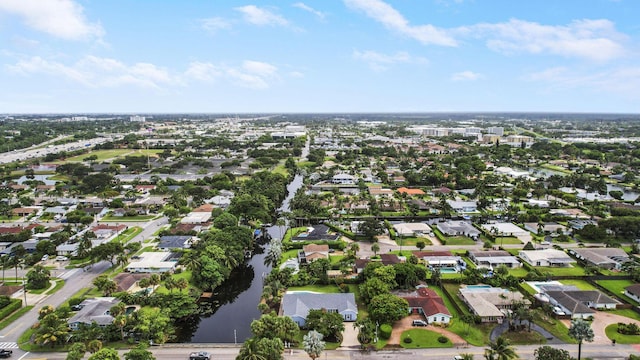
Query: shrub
[[442, 339], [344, 288], [408, 340], [385, 331], [628, 329], [75, 301]]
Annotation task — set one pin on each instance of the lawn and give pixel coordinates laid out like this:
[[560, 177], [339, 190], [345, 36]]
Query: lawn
[[524, 337], [422, 338], [626, 313], [136, 218], [580, 284], [325, 289], [561, 271], [617, 287], [518, 272], [612, 333], [507, 240], [458, 240], [129, 234], [412, 241], [554, 326], [110, 154]]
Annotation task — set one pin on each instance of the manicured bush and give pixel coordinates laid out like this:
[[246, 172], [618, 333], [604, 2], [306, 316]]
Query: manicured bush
[[75, 301], [628, 329], [407, 340], [442, 339], [385, 331], [13, 306]]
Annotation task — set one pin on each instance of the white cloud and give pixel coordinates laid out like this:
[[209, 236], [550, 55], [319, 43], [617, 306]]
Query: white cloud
[[392, 19], [261, 17], [308, 8], [250, 74], [380, 62], [95, 72], [215, 24], [595, 40], [623, 81], [60, 18], [466, 76]]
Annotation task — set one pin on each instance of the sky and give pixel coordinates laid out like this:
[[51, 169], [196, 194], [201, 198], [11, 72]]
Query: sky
[[219, 56]]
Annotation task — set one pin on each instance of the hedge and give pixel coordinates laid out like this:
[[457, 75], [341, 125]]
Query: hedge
[[385, 331], [9, 309]]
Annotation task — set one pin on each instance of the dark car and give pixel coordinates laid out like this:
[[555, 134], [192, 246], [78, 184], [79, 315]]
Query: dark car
[[5, 353]]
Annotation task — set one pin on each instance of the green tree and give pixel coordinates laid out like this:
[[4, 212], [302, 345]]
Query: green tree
[[550, 353], [468, 319], [500, 350], [373, 287], [328, 323], [152, 324], [105, 354], [225, 220], [139, 353], [366, 331], [371, 228], [313, 344], [94, 346], [375, 247], [275, 327], [387, 308], [256, 348], [581, 331], [76, 351], [51, 330], [38, 277], [421, 245]]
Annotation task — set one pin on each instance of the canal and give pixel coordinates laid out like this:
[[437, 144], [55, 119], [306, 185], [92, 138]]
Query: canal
[[227, 316]]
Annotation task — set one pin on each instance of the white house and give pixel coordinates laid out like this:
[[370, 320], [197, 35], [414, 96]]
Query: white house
[[153, 262], [412, 229], [633, 291], [297, 305], [546, 257], [343, 179]]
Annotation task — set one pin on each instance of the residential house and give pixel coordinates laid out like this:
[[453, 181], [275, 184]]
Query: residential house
[[92, 310], [412, 229], [153, 262], [633, 291], [428, 303], [318, 232], [458, 228], [343, 179], [442, 260], [463, 207], [129, 282], [569, 300], [606, 258], [548, 228], [505, 229], [493, 258], [312, 252], [390, 259], [378, 191], [24, 211], [546, 257], [490, 303], [172, 242], [411, 192], [297, 305]]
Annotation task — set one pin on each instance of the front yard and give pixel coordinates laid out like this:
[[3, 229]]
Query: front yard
[[617, 287], [422, 338]]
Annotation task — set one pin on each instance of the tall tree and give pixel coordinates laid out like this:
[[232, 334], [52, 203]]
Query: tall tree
[[549, 353], [313, 344], [139, 353], [105, 354], [581, 331], [500, 350]]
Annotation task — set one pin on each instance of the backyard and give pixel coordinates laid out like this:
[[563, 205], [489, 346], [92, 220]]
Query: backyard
[[617, 287]]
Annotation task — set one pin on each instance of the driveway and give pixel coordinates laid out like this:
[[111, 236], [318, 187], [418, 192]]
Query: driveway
[[601, 320], [349, 337], [406, 324]]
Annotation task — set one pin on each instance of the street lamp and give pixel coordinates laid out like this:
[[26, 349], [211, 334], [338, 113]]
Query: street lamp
[[24, 290]]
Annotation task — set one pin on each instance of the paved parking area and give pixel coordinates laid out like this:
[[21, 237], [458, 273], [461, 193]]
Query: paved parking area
[[601, 320]]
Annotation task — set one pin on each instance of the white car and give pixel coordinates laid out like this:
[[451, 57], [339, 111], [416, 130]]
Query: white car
[[61, 258]]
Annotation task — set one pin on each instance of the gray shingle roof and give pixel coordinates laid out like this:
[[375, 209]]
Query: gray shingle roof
[[299, 304]]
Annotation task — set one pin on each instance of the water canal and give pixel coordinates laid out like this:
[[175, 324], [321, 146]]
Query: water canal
[[227, 316]]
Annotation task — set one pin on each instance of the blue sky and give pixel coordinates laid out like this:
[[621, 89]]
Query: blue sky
[[319, 56]]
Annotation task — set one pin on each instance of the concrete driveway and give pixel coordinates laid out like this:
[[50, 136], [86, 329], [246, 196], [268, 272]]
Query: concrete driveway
[[349, 337], [601, 320]]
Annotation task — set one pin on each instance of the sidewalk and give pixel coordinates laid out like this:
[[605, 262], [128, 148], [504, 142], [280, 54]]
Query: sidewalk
[[33, 299]]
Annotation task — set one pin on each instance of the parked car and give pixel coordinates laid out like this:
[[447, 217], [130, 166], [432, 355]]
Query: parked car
[[5, 353], [45, 257], [200, 355], [419, 323], [61, 258]]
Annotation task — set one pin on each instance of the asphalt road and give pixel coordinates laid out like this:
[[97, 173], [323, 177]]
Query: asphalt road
[[75, 279], [173, 352]]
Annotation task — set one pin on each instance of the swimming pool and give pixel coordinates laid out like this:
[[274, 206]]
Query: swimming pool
[[448, 270], [471, 287]]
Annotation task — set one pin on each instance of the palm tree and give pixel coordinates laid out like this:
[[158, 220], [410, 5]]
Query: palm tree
[[466, 356], [170, 284], [191, 260], [182, 284], [122, 260], [375, 248], [120, 321], [500, 350], [581, 331], [313, 344], [5, 260], [94, 346]]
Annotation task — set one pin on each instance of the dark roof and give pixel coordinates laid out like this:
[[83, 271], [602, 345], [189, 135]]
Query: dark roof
[[429, 301], [361, 263], [570, 303], [320, 232], [633, 289], [125, 280], [389, 259], [173, 242]]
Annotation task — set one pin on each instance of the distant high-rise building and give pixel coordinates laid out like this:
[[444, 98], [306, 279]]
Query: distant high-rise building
[[497, 130], [137, 118]]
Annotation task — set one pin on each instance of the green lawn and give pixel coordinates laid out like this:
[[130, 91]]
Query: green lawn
[[412, 241], [626, 313], [422, 338], [506, 240], [325, 289], [110, 154], [524, 337], [518, 272], [129, 234], [554, 326], [459, 240], [334, 259], [580, 284], [617, 287], [612, 333], [562, 271], [136, 218]]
